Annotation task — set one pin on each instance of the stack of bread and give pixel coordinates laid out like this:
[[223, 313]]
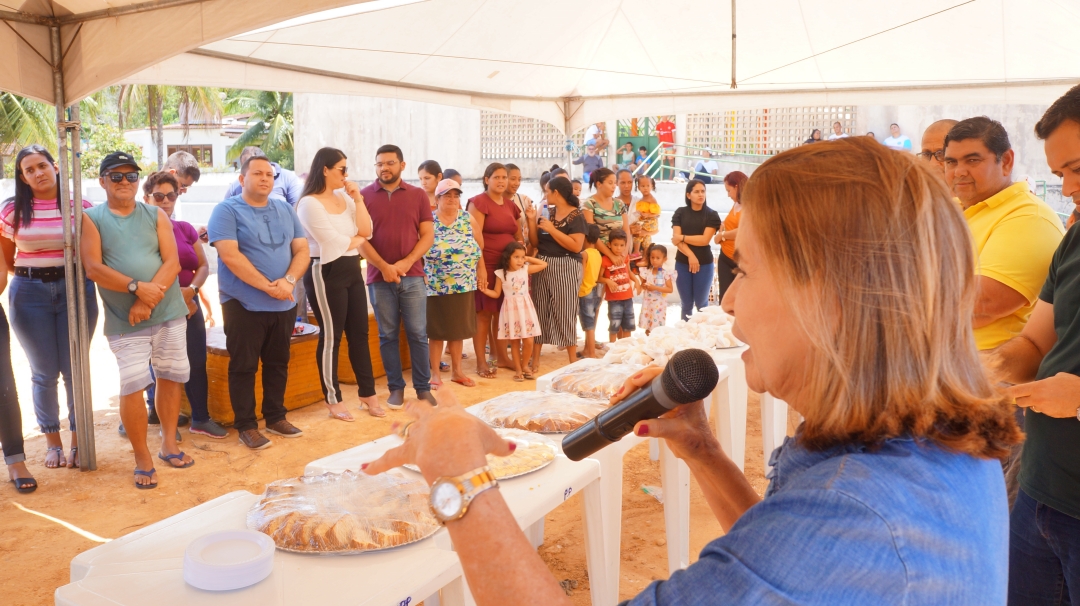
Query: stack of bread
[[542, 412], [344, 513]]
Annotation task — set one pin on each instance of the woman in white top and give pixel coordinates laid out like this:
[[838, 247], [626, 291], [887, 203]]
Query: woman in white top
[[333, 214]]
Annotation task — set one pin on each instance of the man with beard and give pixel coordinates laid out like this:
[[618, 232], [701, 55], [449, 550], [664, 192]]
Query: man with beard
[[402, 232]]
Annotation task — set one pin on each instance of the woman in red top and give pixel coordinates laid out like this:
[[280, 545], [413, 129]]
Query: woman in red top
[[499, 222]]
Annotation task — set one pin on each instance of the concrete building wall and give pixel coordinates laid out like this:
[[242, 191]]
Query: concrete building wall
[[175, 136], [359, 125], [1019, 121]]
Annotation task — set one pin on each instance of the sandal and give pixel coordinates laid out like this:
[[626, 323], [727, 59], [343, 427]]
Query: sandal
[[73, 460], [145, 474], [376, 411], [464, 381], [444, 367], [487, 374], [435, 385], [173, 457], [528, 376], [60, 460], [25, 485], [518, 378], [340, 416]]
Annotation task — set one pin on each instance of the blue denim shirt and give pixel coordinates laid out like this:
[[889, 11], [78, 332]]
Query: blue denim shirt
[[908, 523]]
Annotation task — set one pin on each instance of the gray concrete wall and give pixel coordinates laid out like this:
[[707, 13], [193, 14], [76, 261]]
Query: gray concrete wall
[[359, 125], [1019, 121]]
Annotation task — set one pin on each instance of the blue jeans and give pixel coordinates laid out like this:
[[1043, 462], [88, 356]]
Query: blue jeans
[[1044, 555], [397, 304], [588, 306], [197, 386], [621, 316], [693, 288], [38, 313]]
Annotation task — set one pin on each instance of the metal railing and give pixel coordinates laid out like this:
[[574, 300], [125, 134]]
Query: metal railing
[[654, 166]]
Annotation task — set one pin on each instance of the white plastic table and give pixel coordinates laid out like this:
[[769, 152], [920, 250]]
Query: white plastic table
[[729, 410], [530, 497], [146, 567], [674, 478]]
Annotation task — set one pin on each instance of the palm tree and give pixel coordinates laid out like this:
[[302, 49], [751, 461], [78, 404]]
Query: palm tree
[[191, 102], [272, 129], [22, 122]]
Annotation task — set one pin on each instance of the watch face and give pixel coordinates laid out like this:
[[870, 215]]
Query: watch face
[[446, 500]]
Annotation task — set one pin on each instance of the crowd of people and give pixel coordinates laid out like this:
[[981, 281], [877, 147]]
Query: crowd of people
[[848, 258], [917, 312]]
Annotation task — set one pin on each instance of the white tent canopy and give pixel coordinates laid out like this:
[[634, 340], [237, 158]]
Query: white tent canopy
[[572, 63]]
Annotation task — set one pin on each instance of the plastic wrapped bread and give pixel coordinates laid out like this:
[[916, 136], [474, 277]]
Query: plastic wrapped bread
[[342, 513], [542, 412], [533, 452], [600, 380], [705, 330]]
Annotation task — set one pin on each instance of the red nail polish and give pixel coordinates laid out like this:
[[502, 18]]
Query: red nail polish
[[363, 467], [513, 446], [643, 430]]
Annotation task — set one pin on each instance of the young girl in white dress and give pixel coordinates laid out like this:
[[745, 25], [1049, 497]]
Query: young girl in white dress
[[517, 318], [656, 282]]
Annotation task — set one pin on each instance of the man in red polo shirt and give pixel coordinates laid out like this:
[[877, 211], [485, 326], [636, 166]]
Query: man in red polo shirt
[[402, 231]]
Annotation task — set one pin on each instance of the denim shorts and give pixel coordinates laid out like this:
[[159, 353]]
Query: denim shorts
[[588, 306], [621, 316]]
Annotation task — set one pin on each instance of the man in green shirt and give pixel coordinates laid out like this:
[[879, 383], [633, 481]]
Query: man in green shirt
[[1044, 362], [129, 250]]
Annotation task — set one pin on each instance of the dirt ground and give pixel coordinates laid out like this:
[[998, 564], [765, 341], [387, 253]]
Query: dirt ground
[[35, 552]]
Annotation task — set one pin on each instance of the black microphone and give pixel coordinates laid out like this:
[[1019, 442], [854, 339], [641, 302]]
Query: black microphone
[[689, 376]]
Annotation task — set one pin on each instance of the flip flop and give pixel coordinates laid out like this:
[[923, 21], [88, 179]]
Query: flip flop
[[145, 474], [170, 458], [25, 485], [436, 385], [340, 416], [518, 379], [466, 381], [60, 451], [488, 374], [73, 461]]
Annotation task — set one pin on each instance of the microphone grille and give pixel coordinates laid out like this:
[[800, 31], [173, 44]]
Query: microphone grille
[[689, 376]]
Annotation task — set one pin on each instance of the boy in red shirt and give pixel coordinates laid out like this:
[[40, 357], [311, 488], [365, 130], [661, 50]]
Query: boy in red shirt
[[620, 288]]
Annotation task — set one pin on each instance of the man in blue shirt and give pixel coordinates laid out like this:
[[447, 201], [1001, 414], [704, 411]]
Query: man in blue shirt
[[262, 252]]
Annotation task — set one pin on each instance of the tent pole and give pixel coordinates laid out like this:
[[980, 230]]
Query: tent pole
[[733, 85], [566, 130], [84, 418], [82, 363]]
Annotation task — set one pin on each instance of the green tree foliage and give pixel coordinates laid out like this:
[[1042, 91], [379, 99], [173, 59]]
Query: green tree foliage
[[23, 122], [105, 140], [270, 126]]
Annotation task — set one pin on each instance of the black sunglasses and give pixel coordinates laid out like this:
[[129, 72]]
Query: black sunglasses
[[160, 197], [118, 177], [939, 155]]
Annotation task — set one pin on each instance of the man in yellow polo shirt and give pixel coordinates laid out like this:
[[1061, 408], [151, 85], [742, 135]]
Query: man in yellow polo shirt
[[1015, 236], [1015, 233]]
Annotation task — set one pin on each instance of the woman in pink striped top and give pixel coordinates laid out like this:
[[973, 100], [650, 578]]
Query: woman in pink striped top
[[33, 246]]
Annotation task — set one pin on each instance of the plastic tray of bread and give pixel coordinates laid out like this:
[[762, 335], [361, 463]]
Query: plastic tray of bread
[[344, 513], [600, 380], [542, 412], [534, 452]]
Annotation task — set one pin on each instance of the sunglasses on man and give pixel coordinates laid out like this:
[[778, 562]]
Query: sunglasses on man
[[939, 155], [160, 197], [118, 177]]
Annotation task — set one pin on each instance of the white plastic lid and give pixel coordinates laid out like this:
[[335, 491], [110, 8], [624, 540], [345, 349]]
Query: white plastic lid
[[230, 559]]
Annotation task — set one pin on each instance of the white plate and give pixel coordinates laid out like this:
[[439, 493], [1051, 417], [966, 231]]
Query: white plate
[[524, 439], [305, 329], [230, 559]]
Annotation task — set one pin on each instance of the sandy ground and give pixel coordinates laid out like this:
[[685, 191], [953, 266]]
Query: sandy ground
[[35, 552]]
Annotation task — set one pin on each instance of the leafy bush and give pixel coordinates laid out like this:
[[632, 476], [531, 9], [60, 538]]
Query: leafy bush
[[104, 140]]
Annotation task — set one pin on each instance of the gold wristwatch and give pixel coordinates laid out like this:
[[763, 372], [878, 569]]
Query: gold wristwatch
[[450, 497]]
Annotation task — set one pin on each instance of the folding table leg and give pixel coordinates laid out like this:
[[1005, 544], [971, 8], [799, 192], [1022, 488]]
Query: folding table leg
[[601, 590], [535, 533], [728, 402], [610, 498], [451, 595], [675, 476], [654, 449], [774, 413]]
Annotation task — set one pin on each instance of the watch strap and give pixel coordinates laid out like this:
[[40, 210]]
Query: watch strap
[[470, 485]]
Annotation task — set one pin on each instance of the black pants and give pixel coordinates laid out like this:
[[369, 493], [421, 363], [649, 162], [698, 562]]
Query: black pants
[[725, 273], [251, 336], [340, 305], [10, 415]]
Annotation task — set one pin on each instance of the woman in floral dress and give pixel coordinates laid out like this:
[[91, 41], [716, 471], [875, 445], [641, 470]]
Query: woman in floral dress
[[450, 274]]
